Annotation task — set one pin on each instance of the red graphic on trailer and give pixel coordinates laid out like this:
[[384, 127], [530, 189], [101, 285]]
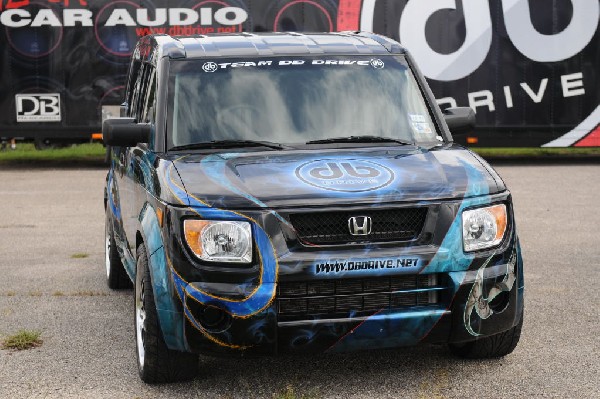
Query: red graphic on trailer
[[348, 17]]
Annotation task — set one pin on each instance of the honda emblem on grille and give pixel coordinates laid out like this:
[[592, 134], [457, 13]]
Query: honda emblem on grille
[[360, 225]]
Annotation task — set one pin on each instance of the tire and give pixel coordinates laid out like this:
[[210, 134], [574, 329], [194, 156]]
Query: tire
[[156, 362], [494, 346], [116, 277]]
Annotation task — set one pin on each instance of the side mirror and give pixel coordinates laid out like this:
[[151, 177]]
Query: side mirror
[[460, 120], [124, 132]]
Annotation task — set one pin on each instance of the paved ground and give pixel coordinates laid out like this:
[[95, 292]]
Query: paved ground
[[46, 216]]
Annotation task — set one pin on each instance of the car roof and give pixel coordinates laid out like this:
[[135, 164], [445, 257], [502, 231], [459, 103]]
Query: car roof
[[272, 44]]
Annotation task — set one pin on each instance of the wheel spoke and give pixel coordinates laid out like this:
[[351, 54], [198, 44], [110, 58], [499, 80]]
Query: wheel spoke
[[140, 323]]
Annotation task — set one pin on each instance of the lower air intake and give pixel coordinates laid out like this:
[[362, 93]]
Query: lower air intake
[[339, 298]]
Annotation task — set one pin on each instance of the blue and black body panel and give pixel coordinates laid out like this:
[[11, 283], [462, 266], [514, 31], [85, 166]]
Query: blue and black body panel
[[300, 293], [301, 296]]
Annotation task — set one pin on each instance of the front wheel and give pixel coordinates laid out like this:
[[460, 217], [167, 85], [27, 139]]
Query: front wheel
[[497, 345], [156, 362]]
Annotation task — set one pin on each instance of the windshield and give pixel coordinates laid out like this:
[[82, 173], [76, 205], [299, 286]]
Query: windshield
[[296, 100]]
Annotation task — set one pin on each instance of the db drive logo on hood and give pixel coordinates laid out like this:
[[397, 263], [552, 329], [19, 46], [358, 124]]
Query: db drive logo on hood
[[350, 176]]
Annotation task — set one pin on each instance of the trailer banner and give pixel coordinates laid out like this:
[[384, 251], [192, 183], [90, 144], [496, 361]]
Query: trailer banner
[[527, 67]]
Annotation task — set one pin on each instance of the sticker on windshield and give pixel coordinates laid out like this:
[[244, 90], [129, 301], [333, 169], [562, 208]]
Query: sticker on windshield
[[377, 63], [417, 118], [422, 127], [420, 124], [213, 66], [210, 66]]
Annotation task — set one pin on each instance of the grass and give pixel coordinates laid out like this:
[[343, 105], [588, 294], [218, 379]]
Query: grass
[[290, 393], [26, 153], [79, 255], [24, 339], [536, 152], [95, 152]]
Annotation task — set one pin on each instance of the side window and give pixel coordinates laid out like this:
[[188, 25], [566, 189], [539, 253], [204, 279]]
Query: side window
[[133, 76], [140, 93], [135, 94], [149, 102], [141, 101]]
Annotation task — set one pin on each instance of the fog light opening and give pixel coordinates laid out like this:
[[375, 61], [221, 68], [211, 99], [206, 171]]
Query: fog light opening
[[500, 303], [213, 319]]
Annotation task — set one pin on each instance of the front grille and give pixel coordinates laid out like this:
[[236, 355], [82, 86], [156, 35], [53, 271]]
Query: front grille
[[339, 298], [403, 224]]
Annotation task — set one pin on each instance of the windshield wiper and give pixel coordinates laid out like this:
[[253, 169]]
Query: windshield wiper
[[227, 144], [359, 139]]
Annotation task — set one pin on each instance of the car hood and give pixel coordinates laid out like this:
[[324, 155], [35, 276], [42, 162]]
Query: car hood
[[302, 178]]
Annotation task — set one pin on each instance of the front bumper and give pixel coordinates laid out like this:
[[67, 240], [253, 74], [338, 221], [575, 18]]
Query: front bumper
[[464, 310]]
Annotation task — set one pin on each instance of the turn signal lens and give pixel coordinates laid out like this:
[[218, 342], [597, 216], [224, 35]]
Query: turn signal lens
[[483, 227], [219, 241]]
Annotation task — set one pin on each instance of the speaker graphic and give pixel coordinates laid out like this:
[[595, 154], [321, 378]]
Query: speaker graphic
[[303, 16], [35, 43]]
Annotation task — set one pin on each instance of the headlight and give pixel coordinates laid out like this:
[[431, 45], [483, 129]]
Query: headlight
[[219, 241], [483, 227]]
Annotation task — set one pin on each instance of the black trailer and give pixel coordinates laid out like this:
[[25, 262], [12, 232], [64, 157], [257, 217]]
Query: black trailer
[[530, 72]]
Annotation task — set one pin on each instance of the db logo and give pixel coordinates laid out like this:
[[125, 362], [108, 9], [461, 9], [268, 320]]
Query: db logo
[[377, 63], [351, 176], [210, 67], [38, 107]]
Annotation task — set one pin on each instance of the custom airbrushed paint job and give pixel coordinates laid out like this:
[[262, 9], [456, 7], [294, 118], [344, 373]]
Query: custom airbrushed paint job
[[247, 186], [483, 291]]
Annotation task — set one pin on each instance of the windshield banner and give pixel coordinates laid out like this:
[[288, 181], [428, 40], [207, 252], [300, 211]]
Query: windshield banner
[[528, 68]]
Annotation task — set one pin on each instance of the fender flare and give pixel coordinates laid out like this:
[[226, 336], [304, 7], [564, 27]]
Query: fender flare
[[170, 316]]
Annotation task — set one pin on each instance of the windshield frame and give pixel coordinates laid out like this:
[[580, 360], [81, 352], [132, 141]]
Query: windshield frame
[[435, 115]]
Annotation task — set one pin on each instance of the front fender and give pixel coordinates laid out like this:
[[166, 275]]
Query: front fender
[[170, 314]]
